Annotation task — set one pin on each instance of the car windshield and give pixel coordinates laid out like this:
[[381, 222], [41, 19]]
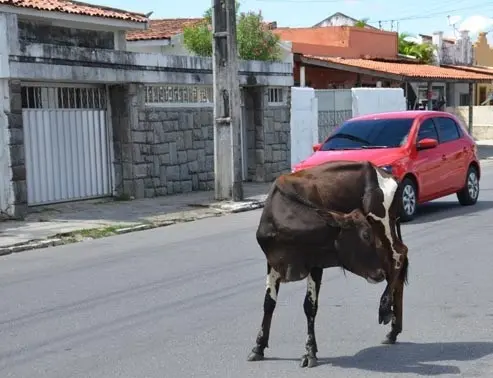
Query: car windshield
[[369, 133]]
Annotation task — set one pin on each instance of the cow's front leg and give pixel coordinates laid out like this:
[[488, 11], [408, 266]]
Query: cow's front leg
[[271, 292], [314, 280], [385, 313], [397, 301], [396, 327]]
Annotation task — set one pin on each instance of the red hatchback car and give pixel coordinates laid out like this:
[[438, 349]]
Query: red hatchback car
[[430, 152]]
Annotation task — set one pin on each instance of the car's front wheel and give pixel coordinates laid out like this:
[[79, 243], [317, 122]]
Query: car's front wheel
[[409, 200], [470, 192]]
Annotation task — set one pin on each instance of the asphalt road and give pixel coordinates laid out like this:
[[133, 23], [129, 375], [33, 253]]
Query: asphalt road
[[186, 301]]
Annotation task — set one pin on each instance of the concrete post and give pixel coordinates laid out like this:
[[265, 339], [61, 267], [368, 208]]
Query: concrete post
[[227, 111]]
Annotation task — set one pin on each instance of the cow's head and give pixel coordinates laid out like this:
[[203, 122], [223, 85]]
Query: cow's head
[[356, 244]]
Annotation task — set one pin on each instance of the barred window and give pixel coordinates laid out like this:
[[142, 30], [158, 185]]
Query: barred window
[[179, 94], [39, 97], [276, 95]]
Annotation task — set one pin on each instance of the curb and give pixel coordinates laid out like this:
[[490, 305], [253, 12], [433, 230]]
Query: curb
[[223, 208]]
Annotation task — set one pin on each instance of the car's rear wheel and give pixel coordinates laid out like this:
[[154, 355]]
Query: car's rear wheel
[[409, 200], [470, 192]]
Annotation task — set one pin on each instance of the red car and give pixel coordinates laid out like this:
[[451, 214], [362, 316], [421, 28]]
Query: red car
[[430, 152]]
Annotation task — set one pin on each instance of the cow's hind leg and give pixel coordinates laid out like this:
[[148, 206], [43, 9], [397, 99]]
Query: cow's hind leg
[[271, 292], [314, 280]]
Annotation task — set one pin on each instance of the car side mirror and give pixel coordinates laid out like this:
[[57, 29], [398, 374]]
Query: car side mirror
[[316, 147], [427, 143]]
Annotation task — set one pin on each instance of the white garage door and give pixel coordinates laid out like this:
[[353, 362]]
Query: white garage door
[[66, 143]]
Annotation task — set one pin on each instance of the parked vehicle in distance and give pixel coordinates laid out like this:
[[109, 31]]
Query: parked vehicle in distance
[[430, 152]]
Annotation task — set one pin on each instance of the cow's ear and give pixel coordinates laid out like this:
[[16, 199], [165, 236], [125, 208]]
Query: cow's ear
[[336, 219]]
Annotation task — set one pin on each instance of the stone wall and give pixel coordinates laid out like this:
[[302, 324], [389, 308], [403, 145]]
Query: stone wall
[[16, 145], [38, 32], [163, 150], [160, 151], [269, 136]]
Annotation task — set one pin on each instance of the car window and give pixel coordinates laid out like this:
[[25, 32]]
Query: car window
[[427, 130], [370, 133], [447, 129]]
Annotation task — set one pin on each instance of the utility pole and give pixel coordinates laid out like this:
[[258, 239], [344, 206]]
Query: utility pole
[[227, 132]]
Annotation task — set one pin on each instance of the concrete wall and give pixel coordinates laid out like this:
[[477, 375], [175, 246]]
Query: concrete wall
[[41, 62], [482, 120]]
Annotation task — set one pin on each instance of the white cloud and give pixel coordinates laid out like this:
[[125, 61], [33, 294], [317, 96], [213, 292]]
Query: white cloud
[[476, 24]]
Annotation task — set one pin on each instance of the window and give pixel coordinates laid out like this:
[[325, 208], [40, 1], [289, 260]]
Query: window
[[447, 129], [276, 95], [427, 130], [482, 94], [464, 99], [370, 133]]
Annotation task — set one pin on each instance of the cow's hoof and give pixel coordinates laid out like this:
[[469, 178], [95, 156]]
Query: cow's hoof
[[308, 361], [255, 356], [385, 317], [390, 339]]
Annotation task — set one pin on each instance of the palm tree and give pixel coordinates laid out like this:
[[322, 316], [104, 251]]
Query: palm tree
[[423, 51]]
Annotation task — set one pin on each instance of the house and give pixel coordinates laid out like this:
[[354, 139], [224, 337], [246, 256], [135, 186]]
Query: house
[[162, 36], [340, 19], [343, 57], [83, 117], [166, 36], [337, 41], [483, 57]]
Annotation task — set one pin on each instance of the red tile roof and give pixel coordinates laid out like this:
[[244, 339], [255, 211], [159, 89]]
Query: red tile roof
[[164, 28], [409, 70], [75, 7]]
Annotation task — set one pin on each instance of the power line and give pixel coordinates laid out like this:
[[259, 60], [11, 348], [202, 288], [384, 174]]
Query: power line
[[431, 15]]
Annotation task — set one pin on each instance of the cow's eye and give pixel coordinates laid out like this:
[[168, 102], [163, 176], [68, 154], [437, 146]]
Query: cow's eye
[[366, 235]]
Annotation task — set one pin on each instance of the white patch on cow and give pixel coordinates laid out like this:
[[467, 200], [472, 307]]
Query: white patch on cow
[[311, 288], [270, 283], [389, 187]]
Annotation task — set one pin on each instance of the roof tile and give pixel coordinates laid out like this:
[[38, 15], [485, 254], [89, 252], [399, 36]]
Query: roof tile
[[164, 28], [75, 7], [411, 70]]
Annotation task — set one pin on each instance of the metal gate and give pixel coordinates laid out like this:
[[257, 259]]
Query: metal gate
[[66, 143]]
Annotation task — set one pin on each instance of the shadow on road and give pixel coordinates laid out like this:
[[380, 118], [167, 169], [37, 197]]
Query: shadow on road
[[433, 211], [413, 358]]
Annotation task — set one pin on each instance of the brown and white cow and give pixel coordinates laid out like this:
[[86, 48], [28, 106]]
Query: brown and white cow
[[297, 245]]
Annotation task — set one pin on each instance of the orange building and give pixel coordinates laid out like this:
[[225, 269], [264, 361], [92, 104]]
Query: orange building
[[338, 41]]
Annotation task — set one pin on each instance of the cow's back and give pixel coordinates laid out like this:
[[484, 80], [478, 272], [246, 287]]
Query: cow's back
[[337, 185]]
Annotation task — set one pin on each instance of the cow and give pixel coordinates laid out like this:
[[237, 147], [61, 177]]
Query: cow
[[304, 229]]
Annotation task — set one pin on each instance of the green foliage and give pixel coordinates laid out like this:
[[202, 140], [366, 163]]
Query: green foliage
[[422, 51], [361, 23], [255, 41]]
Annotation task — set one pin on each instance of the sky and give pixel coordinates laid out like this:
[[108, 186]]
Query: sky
[[414, 17]]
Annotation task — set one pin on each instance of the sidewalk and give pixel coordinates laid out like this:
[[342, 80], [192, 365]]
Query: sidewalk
[[77, 221], [70, 222]]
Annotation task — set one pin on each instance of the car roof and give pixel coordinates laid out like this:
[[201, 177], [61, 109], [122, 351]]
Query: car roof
[[400, 115]]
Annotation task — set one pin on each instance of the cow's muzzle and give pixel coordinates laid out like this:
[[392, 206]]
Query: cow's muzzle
[[376, 277]]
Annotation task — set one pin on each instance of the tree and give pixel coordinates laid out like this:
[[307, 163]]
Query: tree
[[255, 41], [361, 23], [421, 51]]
